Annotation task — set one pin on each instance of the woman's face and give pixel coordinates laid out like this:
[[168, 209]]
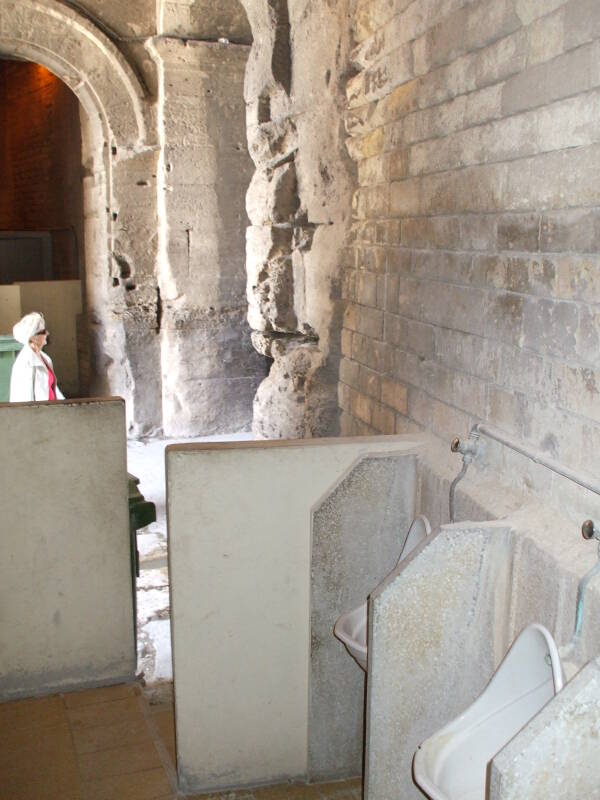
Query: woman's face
[[40, 338]]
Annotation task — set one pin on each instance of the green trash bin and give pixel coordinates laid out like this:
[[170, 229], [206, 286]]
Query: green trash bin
[[9, 349], [141, 513]]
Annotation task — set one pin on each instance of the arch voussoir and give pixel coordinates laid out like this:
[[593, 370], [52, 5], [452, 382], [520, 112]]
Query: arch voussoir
[[82, 56]]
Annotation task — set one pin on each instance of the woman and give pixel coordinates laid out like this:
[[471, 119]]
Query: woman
[[32, 376]]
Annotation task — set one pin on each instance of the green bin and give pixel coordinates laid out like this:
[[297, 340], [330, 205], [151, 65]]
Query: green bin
[[9, 349], [141, 513]]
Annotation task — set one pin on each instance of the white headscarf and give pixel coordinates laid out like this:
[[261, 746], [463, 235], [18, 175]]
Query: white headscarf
[[28, 327]]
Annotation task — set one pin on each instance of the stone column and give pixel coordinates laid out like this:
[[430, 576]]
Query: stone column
[[210, 370], [299, 205]]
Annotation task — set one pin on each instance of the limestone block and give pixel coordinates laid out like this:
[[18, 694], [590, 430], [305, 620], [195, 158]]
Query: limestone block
[[427, 232], [142, 346], [543, 83], [290, 403], [349, 371], [272, 142], [369, 382], [370, 16], [273, 195], [550, 326], [548, 37], [556, 753], [135, 218], [135, 18], [274, 295], [200, 19], [576, 389], [394, 394], [270, 289], [213, 372], [199, 413], [577, 230], [577, 277], [392, 70]]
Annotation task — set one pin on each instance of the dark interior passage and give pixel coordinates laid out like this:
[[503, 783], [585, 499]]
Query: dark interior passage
[[41, 204]]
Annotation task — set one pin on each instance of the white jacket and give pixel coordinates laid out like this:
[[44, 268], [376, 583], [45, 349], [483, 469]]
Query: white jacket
[[29, 377]]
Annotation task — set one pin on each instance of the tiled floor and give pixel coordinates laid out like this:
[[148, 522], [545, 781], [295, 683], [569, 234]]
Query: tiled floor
[[114, 743]]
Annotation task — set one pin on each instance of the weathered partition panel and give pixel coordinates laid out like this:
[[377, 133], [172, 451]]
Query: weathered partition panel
[[441, 625], [65, 580], [437, 630], [556, 754], [247, 675]]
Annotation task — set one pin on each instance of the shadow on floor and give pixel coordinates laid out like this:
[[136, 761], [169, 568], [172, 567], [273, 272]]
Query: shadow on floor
[[114, 743]]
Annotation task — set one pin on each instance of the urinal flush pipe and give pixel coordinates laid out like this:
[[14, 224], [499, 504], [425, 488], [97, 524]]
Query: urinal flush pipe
[[589, 530], [469, 450]]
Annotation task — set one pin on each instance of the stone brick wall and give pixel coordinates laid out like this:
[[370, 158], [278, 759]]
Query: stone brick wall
[[472, 277], [40, 161]]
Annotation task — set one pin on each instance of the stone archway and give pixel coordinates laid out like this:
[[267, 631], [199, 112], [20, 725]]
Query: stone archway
[[119, 154]]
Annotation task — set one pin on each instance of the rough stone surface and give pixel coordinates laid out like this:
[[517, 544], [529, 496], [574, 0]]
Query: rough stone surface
[[373, 502], [292, 402], [298, 204], [210, 369], [473, 221], [203, 19], [165, 170]]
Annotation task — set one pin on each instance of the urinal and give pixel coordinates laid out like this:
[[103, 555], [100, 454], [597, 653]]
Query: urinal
[[351, 627], [452, 764]]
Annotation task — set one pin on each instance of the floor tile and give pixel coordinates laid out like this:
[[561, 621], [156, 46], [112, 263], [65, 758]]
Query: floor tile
[[133, 729], [243, 795], [25, 789], [119, 761], [33, 740], [102, 695], [146, 785], [50, 774], [301, 791], [341, 790], [164, 722], [109, 713], [101, 744], [35, 711]]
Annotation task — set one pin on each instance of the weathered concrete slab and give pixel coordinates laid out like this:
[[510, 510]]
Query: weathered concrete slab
[[556, 754], [240, 566], [65, 577], [358, 532], [438, 629]]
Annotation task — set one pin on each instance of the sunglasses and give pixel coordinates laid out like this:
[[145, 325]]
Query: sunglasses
[[41, 333]]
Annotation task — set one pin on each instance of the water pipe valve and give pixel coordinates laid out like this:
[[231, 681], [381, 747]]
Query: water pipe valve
[[469, 451], [469, 448], [590, 530]]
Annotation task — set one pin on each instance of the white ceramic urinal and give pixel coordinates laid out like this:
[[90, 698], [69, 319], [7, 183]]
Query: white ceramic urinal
[[351, 627], [452, 764]]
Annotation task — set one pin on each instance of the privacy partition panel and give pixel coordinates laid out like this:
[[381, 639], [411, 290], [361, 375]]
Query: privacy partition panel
[[66, 616], [247, 662]]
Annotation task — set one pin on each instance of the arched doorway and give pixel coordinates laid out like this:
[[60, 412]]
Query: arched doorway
[[41, 211], [118, 155]]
